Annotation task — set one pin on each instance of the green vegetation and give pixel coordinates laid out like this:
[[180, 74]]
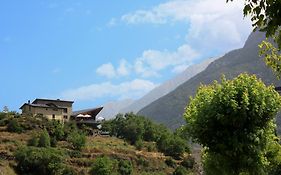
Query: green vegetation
[[45, 161], [77, 140], [137, 129], [33, 151], [13, 126], [234, 121], [103, 166]]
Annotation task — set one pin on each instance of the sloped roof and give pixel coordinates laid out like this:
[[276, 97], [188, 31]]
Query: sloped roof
[[92, 111], [43, 105], [51, 100]]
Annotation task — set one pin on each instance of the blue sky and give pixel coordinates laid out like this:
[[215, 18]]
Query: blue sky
[[93, 52]]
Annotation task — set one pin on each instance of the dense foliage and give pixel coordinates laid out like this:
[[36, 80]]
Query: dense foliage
[[77, 139], [137, 129], [234, 121], [44, 161], [103, 166]]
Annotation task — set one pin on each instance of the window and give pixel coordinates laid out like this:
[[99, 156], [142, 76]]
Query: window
[[54, 116], [65, 117], [65, 110]]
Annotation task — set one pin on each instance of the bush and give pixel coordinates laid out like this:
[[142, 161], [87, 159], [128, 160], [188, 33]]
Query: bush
[[188, 162], [172, 145], [44, 139], [102, 166], [170, 162], [43, 161], [139, 144], [13, 126], [180, 170], [77, 140], [34, 141], [125, 167]]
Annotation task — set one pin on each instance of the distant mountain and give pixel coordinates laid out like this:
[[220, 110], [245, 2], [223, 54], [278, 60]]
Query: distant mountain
[[170, 108], [111, 109], [167, 87]]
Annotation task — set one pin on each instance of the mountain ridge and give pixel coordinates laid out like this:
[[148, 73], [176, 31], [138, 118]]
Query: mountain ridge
[[170, 108]]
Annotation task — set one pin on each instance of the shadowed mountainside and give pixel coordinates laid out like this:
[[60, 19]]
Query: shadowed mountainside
[[170, 108]]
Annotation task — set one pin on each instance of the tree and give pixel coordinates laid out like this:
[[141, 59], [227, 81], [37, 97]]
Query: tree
[[234, 121], [44, 139], [44, 161], [102, 166], [265, 16], [77, 139]]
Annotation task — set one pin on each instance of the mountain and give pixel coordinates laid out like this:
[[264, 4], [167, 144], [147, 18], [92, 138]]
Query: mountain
[[111, 109], [170, 108], [167, 87]]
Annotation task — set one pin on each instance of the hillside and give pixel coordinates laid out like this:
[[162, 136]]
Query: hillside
[[167, 86], [169, 109], [33, 145]]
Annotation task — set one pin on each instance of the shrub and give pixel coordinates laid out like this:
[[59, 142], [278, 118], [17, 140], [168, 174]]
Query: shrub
[[43, 161], [188, 162], [44, 139], [102, 166], [180, 170], [77, 140], [34, 141], [13, 126], [172, 145], [125, 167], [170, 162], [139, 144]]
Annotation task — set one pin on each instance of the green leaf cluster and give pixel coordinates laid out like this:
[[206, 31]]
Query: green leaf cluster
[[234, 121]]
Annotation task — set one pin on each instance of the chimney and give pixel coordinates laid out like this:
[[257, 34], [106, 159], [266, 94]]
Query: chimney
[[28, 101]]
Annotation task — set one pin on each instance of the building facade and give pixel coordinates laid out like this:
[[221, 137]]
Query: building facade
[[52, 109]]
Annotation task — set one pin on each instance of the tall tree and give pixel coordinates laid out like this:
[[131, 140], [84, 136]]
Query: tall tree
[[234, 121]]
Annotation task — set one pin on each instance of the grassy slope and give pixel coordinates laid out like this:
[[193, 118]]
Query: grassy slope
[[143, 161]]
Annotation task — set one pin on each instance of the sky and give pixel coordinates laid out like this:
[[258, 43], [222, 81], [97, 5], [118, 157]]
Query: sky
[[93, 51]]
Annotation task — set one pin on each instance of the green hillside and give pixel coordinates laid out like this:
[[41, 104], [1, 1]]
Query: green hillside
[[169, 109], [34, 145]]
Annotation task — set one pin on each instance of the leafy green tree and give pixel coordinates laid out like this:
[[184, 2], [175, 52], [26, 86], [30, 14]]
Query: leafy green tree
[[234, 121], [77, 139], [44, 161], [180, 170], [44, 139], [102, 166], [265, 16], [125, 167], [14, 126]]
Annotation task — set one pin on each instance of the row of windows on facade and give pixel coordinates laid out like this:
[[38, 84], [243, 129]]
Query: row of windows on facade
[[54, 109]]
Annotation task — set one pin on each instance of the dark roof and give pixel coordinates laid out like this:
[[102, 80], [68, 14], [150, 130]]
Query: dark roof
[[51, 105], [92, 111], [51, 100]]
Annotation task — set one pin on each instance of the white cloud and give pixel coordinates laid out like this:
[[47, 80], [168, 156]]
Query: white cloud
[[212, 23], [153, 61], [131, 89], [124, 68], [109, 71], [106, 70]]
